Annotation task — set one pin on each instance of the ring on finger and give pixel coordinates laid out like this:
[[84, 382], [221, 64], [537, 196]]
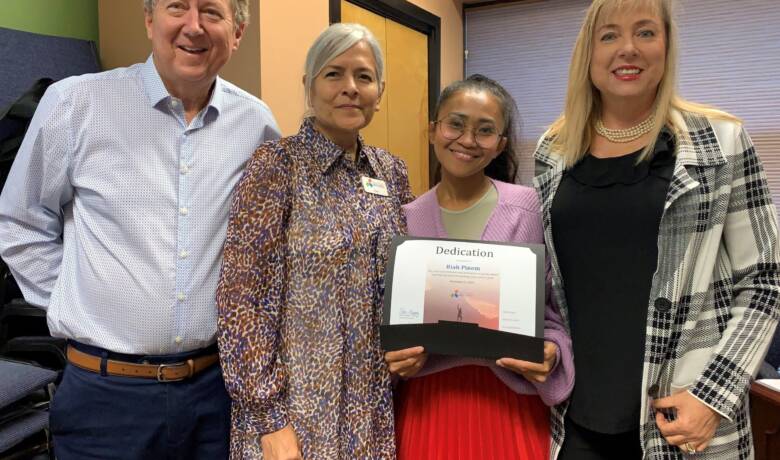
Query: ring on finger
[[689, 448]]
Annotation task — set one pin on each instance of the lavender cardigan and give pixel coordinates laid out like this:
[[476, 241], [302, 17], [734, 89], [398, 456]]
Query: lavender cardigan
[[516, 218]]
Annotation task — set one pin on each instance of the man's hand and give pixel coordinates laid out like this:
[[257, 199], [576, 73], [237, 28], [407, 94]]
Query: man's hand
[[533, 372], [281, 445]]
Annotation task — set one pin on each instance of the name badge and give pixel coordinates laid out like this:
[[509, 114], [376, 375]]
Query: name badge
[[375, 186]]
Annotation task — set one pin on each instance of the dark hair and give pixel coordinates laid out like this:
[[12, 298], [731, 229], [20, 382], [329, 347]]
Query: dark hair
[[504, 165]]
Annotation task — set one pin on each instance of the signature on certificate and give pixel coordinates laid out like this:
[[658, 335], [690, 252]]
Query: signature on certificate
[[409, 314]]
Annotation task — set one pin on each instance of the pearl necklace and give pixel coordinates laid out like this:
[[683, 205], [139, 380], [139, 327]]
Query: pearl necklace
[[622, 136]]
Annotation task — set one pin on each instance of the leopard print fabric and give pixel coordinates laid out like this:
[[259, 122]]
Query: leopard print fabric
[[300, 298]]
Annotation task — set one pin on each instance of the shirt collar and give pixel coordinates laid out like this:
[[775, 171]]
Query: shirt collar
[[326, 152], [156, 91], [153, 84], [697, 144]]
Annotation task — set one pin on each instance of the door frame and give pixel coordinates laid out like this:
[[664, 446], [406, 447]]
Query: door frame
[[415, 18]]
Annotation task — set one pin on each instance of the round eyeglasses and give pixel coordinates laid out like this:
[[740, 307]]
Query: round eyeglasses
[[453, 128]]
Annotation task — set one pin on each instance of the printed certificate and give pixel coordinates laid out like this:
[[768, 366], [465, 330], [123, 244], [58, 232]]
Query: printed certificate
[[468, 298]]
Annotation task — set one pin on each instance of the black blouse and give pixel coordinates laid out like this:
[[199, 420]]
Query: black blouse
[[605, 218]]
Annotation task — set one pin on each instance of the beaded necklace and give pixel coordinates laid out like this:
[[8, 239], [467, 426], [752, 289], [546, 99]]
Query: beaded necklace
[[622, 136]]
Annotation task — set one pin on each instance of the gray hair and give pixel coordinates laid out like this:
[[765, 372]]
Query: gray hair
[[240, 10], [332, 42]]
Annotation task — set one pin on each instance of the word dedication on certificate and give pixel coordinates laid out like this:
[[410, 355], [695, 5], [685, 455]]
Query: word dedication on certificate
[[466, 298]]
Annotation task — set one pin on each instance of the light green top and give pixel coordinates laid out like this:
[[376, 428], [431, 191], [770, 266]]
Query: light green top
[[469, 223]]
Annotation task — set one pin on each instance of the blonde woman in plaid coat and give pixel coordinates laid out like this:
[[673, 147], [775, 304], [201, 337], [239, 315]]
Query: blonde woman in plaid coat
[[682, 190]]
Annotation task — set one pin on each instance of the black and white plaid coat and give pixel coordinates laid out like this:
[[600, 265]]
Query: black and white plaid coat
[[713, 303]]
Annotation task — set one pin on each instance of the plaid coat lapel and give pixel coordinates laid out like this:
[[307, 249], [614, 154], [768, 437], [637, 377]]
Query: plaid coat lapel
[[698, 148]]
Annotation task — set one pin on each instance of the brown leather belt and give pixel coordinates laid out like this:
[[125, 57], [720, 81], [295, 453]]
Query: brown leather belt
[[168, 372]]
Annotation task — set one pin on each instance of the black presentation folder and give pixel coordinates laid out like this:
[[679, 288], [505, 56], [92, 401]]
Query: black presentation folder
[[462, 339]]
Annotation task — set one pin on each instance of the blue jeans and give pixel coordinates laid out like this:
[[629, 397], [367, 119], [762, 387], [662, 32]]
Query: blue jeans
[[96, 416]]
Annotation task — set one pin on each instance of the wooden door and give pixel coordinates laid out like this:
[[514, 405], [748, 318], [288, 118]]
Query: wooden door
[[401, 125]]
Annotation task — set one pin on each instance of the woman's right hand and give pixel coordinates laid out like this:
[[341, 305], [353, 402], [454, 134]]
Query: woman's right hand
[[406, 362], [281, 445]]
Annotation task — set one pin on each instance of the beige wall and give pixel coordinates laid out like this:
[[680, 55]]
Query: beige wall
[[281, 60], [122, 34], [123, 42], [269, 62], [285, 36], [450, 12]]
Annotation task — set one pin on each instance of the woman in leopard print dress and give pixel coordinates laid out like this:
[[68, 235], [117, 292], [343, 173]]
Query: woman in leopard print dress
[[302, 279]]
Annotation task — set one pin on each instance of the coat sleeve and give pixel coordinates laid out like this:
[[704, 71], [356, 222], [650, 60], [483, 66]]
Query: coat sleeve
[[252, 290], [750, 239]]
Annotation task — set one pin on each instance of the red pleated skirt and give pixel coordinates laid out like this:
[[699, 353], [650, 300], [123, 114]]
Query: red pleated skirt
[[468, 413]]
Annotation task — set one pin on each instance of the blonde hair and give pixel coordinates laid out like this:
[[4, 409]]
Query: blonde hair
[[572, 130]]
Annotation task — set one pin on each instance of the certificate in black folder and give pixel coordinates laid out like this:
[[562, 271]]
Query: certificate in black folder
[[466, 298]]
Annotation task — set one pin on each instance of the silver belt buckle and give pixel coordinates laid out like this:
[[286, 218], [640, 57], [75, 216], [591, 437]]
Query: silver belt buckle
[[161, 367]]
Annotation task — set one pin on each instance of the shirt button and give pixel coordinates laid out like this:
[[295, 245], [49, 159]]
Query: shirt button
[[184, 169], [653, 391], [183, 254], [663, 305], [181, 297], [178, 339], [175, 103], [183, 211]]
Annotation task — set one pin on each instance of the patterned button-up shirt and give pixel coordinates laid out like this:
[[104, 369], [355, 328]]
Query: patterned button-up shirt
[[300, 298]]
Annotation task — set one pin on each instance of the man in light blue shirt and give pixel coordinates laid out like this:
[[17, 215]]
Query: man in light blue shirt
[[113, 219]]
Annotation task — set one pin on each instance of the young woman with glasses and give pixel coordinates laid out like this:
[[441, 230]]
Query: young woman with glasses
[[471, 408]]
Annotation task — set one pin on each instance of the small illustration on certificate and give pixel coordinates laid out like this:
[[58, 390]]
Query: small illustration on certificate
[[464, 290]]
